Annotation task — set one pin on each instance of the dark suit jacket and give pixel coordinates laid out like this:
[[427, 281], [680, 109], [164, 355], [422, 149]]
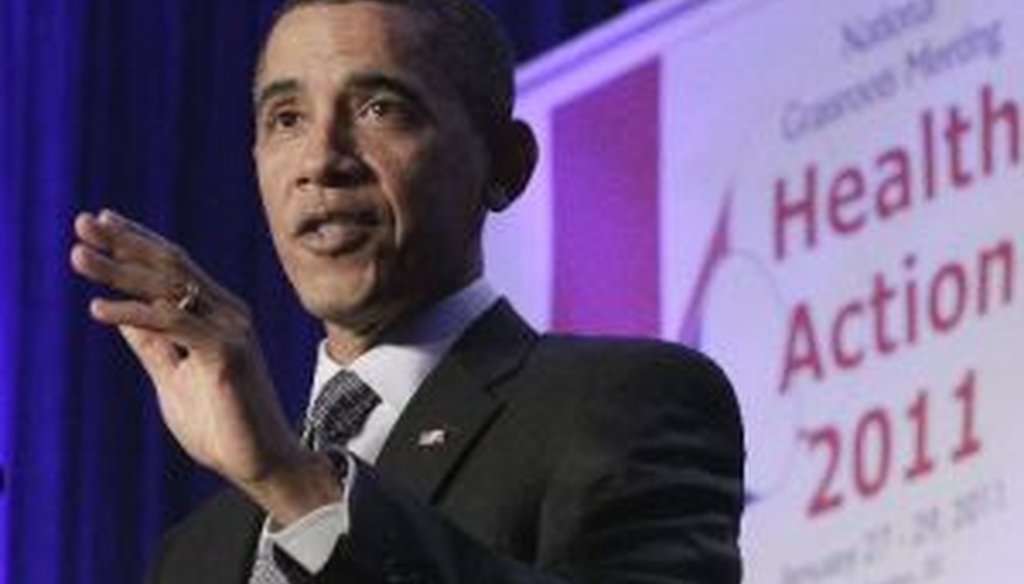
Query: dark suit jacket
[[566, 460]]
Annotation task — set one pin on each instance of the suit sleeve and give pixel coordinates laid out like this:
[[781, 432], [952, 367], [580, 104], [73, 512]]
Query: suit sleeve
[[648, 490]]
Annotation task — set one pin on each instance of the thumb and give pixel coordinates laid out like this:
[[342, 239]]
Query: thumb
[[158, 356]]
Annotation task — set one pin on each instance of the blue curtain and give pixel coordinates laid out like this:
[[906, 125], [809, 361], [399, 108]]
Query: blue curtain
[[143, 107]]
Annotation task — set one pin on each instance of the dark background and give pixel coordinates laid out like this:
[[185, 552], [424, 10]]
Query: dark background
[[141, 106]]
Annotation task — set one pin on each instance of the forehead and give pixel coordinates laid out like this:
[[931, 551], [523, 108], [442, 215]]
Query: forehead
[[338, 36]]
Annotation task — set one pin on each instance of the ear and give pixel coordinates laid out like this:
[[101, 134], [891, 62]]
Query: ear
[[513, 158]]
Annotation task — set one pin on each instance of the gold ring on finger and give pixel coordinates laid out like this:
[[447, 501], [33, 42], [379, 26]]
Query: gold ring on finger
[[188, 300]]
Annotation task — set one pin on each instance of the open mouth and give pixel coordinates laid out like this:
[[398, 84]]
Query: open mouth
[[337, 233]]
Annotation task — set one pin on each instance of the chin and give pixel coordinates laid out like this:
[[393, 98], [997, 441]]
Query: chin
[[335, 307], [353, 306]]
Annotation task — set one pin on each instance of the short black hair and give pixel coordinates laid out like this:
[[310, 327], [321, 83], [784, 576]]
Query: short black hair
[[471, 44]]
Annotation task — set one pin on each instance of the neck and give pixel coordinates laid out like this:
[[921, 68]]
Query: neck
[[344, 345]]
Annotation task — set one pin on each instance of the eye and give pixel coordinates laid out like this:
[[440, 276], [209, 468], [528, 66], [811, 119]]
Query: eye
[[283, 120], [389, 110]]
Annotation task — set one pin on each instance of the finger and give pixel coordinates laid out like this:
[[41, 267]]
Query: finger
[[134, 242], [174, 325], [133, 279], [123, 238], [157, 355], [90, 232], [168, 285], [117, 220]]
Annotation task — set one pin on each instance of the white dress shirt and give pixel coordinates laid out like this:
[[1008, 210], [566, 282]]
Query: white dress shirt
[[394, 368]]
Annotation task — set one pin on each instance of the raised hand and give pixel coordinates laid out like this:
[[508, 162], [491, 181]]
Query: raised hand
[[197, 343]]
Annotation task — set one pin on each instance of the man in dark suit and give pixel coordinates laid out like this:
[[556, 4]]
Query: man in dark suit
[[446, 440]]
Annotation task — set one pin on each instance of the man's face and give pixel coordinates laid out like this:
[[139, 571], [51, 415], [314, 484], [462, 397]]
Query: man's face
[[370, 170]]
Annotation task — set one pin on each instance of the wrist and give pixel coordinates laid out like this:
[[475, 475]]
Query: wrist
[[306, 482]]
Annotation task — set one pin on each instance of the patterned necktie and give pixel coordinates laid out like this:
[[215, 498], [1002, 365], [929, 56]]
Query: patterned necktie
[[338, 413]]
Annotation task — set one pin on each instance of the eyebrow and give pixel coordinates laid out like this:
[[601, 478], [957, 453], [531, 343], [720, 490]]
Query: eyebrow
[[381, 82], [274, 89]]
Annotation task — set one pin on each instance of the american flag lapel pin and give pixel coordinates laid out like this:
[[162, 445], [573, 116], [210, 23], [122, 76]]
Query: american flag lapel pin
[[433, 438]]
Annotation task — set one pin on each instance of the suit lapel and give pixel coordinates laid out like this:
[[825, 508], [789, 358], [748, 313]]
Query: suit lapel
[[454, 406]]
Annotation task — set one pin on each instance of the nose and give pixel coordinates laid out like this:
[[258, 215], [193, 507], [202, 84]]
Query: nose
[[331, 158]]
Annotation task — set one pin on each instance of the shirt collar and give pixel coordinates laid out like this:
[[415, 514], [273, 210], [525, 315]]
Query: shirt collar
[[397, 365]]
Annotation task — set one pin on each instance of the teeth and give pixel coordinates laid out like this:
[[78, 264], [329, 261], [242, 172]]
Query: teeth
[[340, 235], [331, 229]]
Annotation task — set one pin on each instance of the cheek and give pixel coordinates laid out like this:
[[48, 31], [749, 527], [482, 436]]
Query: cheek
[[436, 221], [456, 185], [271, 172], [429, 190], [403, 187]]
